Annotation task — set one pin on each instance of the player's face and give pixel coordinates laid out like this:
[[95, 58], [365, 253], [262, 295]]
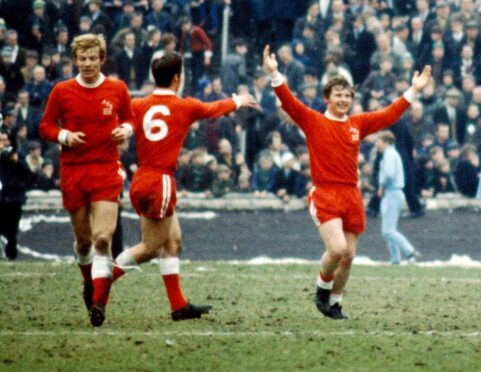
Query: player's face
[[88, 63], [339, 101]]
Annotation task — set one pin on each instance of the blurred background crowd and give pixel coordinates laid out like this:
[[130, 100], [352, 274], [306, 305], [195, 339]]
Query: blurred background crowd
[[375, 44]]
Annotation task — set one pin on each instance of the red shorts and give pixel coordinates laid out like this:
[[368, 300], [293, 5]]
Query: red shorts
[[153, 194], [87, 183], [338, 201]]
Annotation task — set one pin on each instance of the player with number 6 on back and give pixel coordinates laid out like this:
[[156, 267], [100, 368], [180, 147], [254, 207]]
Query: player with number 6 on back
[[162, 123], [95, 114]]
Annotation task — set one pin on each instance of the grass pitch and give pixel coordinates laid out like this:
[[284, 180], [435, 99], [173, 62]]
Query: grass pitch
[[264, 319]]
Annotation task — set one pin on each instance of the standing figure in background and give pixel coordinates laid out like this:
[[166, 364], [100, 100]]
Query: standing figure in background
[[391, 184]]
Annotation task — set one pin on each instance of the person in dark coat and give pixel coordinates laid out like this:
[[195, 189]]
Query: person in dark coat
[[15, 178], [467, 171]]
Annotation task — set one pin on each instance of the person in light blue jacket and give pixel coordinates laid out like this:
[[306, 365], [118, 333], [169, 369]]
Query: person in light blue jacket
[[391, 184]]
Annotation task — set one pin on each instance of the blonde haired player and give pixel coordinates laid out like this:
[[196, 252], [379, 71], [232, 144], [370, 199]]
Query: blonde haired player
[[89, 115]]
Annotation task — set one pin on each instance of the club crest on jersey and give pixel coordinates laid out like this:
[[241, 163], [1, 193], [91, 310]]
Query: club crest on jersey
[[107, 107], [354, 134]]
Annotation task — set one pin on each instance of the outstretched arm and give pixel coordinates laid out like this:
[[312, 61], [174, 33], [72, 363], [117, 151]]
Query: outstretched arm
[[299, 112]]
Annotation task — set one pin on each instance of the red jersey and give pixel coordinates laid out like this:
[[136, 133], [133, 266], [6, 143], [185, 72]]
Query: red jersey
[[162, 123], [95, 111], [334, 145]]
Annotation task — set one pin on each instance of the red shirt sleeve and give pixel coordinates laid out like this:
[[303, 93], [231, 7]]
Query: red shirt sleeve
[[300, 113], [49, 128], [126, 114], [371, 122], [203, 110]]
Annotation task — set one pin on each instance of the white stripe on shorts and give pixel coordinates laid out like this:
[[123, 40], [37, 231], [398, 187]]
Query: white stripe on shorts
[[166, 190], [312, 208]]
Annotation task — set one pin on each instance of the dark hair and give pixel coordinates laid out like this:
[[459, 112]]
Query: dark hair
[[337, 81], [165, 68]]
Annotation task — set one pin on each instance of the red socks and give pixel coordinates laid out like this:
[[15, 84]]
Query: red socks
[[101, 290], [174, 292], [86, 271]]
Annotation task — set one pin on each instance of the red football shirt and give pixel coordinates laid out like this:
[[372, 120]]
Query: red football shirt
[[162, 123], [94, 110], [334, 145]]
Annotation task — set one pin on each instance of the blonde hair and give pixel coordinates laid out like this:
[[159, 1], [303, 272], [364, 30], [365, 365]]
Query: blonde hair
[[89, 41]]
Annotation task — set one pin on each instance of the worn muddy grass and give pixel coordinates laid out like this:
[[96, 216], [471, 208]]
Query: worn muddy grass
[[401, 319]]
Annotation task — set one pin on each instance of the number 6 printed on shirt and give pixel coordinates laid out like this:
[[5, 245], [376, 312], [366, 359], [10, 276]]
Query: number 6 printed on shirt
[[150, 124]]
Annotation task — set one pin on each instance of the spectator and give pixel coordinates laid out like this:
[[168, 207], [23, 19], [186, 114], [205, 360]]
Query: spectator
[[418, 123], [227, 157], [130, 63], [196, 47], [287, 182], [10, 72], [136, 26], [122, 19], [159, 18], [31, 61], [311, 99], [99, 17], [6, 97], [467, 173], [234, 70], [443, 180], [28, 115], [292, 69], [264, 176], [452, 114], [311, 18], [198, 177], [38, 88], [15, 179], [66, 70], [34, 158], [195, 137], [379, 83], [61, 44], [9, 125], [442, 137], [18, 53], [45, 180], [40, 27], [223, 182], [473, 126]]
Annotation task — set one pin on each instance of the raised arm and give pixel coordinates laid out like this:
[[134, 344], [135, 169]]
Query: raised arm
[[290, 104], [373, 121]]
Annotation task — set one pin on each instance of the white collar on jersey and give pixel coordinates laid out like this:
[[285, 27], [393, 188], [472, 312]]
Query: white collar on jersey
[[163, 92], [328, 115], [99, 81]]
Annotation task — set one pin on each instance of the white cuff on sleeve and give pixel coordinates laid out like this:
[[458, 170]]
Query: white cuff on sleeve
[[410, 95], [208, 53], [277, 79], [237, 100], [62, 137], [129, 127]]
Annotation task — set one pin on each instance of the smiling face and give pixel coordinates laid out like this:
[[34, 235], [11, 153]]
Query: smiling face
[[88, 62], [339, 101]]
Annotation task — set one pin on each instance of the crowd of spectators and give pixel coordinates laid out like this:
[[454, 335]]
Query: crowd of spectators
[[375, 44]]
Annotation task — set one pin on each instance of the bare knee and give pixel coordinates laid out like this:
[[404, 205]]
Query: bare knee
[[347, 259], [172, 247], [83, 246], [338, 250], [102, 242]]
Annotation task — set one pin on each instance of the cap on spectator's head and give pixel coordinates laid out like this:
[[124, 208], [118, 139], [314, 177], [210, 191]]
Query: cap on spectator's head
[[129, 2], [203, 83], [441, 4], [7, 51], [436, 29], [98, 2], [33, 145], [239, 42], [85, 19], [453, 145], [31, 54], [472, 24], [3, 25], [38, 4], [407, 57], [9, 112]]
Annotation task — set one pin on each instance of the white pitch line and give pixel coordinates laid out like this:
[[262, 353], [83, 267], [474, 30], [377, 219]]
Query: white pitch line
[[241, 333], [25, 275]]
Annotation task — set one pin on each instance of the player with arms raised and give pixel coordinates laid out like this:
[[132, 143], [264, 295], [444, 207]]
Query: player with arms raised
[[95, 114], [163, 121], [335, 201]]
